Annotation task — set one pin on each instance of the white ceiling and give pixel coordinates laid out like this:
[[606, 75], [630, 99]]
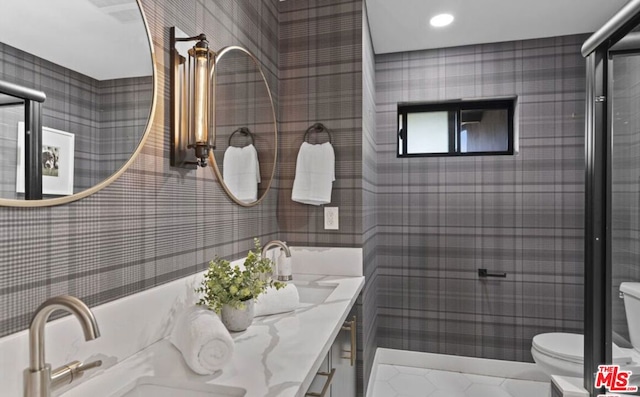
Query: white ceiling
[[106, 39], [403, 25], [103, 39]]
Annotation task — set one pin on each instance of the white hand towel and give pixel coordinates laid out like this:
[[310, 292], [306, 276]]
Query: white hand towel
[[274, 301], [315, 173], [241, 172], [203, 340]]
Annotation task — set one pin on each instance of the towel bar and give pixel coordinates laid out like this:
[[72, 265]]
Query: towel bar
[[243, 131], [317, 128], [483, 273]]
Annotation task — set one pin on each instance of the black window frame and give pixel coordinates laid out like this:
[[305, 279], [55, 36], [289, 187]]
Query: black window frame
[[455, 108]]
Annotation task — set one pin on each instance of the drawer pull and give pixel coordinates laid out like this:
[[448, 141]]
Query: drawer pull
[[325, 388], [351, 326]]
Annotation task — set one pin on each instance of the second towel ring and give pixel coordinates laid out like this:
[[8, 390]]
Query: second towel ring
[[243, 131], [317, 128]]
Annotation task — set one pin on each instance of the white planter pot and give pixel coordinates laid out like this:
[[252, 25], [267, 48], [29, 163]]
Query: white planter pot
[[238, 319]]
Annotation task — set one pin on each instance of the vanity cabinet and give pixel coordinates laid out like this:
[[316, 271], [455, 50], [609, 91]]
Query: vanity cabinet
[[337, 374]]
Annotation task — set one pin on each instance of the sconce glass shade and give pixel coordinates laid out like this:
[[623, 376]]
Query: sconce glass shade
[[192, 102], [201, 115]]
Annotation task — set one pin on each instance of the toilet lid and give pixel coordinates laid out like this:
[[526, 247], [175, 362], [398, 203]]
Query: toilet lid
[[570, 347]]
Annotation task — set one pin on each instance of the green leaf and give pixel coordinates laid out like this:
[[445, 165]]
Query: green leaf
[[224, 284]]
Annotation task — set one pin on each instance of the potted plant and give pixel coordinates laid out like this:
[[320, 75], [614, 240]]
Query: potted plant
[[231, 291]]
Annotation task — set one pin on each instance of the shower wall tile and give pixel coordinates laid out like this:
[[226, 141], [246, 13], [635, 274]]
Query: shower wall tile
[[440, 219], [155, 223]]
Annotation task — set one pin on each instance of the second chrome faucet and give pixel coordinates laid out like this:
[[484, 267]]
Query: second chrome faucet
[[277, 243], [39, 378]]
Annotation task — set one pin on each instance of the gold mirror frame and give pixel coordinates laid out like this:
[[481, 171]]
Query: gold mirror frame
[[212, 159], [77, 196]]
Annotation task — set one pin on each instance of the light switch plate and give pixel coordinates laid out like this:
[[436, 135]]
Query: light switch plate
[[331, 218]]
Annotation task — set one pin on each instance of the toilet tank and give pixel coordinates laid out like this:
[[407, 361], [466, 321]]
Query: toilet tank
[[631, 292]]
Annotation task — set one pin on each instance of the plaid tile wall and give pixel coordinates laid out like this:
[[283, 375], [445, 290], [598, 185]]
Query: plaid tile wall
[[155, 223], [440, 219], [625, 192], [321, 81], [369, 202]]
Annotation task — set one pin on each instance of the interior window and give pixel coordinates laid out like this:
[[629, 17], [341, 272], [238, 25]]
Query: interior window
[[456, 128]]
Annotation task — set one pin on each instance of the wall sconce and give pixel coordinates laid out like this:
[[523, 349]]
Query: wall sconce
[[192, 100]]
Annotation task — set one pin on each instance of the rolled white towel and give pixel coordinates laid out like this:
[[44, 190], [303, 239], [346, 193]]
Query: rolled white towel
[[277, 301], [203, 340]]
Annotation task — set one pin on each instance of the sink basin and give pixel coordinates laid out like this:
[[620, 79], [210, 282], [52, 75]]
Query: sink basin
[[149, 386], [314, 294]]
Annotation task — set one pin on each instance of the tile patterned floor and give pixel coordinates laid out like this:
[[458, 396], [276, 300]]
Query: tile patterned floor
[[399, 381]]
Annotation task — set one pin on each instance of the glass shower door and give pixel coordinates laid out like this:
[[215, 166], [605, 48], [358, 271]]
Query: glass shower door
[[624, 247]]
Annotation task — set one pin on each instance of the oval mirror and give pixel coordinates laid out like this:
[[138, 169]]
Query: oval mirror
[[93, 59], [246, 143]]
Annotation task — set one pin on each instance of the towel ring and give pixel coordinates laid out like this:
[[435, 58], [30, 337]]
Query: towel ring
[[317, 127], [243, 131]]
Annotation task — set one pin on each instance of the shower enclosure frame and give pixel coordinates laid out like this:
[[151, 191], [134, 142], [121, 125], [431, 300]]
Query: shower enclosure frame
[[598, 51]]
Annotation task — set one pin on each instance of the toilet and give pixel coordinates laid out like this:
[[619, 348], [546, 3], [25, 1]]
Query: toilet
[[559, 353]]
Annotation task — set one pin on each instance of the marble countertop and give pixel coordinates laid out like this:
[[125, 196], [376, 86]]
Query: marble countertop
[[278, 355]]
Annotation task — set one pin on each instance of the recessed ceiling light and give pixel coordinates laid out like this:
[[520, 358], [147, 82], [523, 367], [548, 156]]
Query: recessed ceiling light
[[441, 20]]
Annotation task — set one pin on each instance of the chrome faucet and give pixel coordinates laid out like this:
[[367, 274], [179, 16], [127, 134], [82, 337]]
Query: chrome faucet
[[287, 253], [39, 379]]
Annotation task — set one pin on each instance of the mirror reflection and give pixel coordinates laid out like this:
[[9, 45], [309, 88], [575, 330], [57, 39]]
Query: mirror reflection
[[92, 59], [246, 135]]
